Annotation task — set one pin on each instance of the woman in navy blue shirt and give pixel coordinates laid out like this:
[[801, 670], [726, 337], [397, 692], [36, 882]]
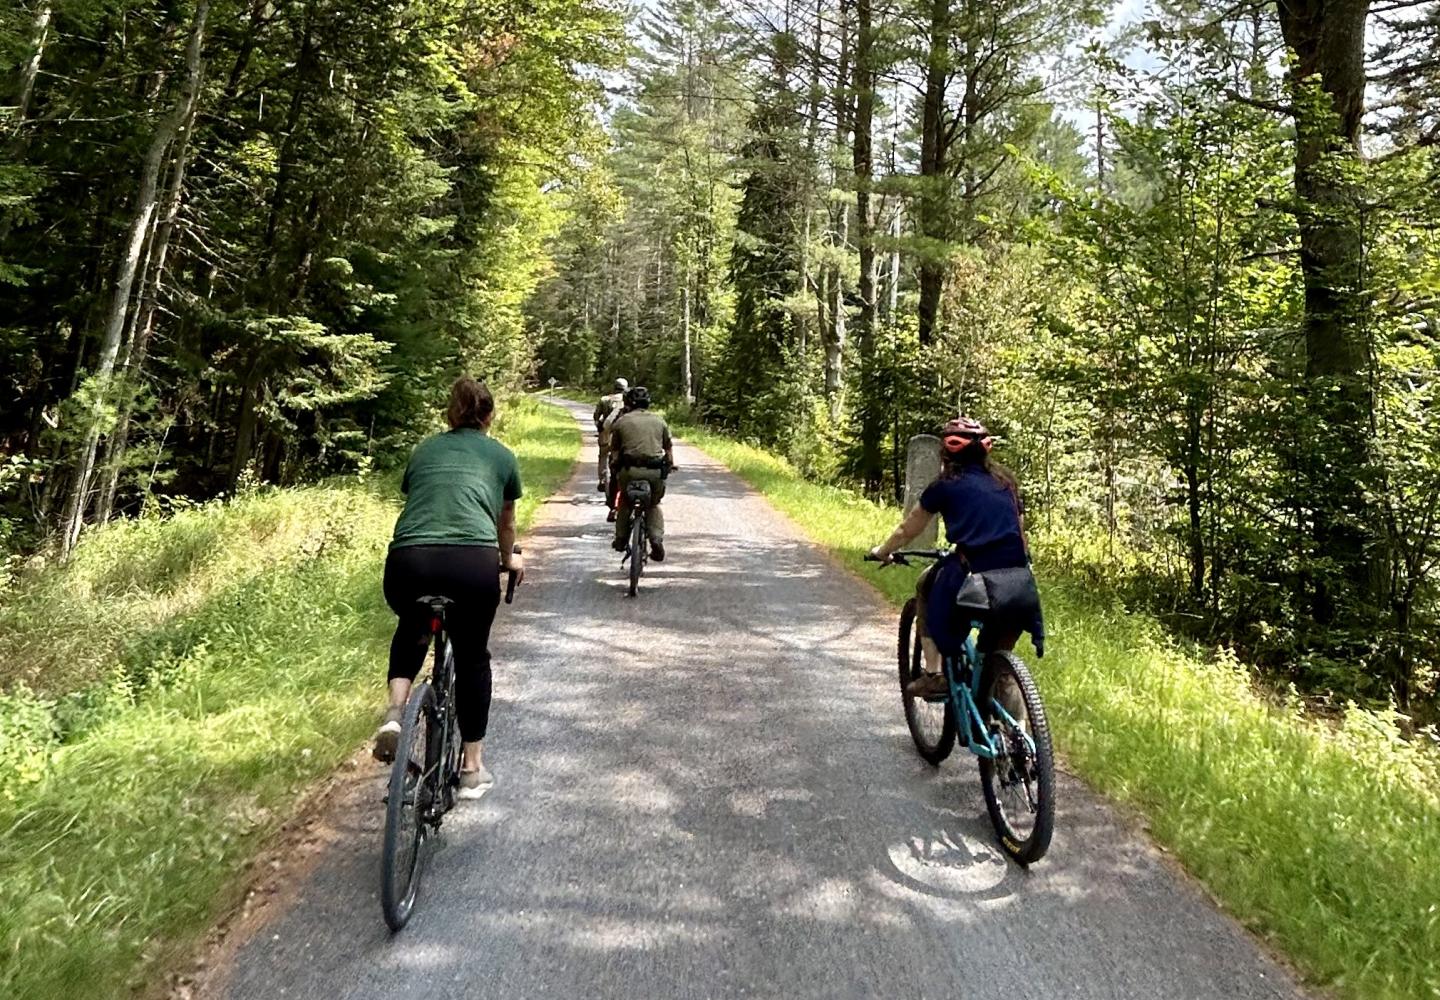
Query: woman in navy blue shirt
[[980, 504]]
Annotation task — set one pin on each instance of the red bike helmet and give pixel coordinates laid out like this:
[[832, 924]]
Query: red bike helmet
[[961, 433]]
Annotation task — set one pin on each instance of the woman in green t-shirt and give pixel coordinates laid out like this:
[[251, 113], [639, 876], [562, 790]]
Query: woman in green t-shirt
[[453, 539]]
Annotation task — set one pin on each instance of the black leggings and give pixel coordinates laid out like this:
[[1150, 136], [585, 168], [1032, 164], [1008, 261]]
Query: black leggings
[[470, 576]]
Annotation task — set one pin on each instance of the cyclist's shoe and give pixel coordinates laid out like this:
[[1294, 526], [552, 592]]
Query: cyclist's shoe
[[610, 517], [474, 784], [657, 551], [600, 486], [387, 737], [619, 545], [928, 686]]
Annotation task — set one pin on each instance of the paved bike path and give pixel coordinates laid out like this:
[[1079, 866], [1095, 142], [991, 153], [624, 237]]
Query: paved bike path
[[709, 791]]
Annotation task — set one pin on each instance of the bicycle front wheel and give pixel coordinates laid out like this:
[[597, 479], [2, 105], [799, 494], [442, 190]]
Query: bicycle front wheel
[[637, 550], [406, 809], [1019, 783], [931, 722]]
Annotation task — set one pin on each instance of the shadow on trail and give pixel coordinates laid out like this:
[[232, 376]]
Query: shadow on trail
[[710, 791]]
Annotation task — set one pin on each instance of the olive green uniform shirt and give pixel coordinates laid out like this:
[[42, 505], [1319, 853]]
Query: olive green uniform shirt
[[607, 407], [456, 485], [640, 436]]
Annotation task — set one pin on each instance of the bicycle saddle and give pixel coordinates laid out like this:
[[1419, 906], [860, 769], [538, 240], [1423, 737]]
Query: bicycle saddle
[[435, 603]]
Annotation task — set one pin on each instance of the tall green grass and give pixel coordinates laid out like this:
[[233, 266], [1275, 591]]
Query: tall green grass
[[1324, 838], [183, 681]]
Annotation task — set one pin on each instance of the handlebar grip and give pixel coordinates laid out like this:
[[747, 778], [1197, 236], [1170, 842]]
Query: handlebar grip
[[514, 578]]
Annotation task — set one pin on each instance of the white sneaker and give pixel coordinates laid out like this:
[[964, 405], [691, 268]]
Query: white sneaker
[[474, 784], [387, 737]]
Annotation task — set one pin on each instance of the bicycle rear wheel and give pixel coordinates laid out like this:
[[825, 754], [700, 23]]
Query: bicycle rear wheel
[[932, 723], [406, 809], [1019, 784], [637, 549]]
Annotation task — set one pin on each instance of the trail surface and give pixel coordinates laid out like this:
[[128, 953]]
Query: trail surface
[[709, 791]]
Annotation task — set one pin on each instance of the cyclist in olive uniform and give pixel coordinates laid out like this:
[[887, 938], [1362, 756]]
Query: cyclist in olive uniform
[[641, 449], [605, 413]]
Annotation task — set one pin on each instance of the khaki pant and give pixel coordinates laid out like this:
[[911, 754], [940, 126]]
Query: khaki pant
[[604, 462], [656, 519]]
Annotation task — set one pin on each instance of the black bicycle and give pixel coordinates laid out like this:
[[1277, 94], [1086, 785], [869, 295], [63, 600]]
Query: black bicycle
[[637, 550], [426, 771]]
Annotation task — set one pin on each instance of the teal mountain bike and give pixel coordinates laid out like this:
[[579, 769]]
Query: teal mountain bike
[[993, 702]]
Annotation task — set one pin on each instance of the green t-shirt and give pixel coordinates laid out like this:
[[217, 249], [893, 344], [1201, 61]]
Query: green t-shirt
[[455, 487]]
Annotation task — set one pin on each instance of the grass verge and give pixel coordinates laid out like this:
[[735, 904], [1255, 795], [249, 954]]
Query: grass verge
[[1322, 838], [169, 694]]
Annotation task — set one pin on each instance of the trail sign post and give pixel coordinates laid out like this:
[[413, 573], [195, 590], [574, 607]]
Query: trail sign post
[[553, 382], [922, 467]]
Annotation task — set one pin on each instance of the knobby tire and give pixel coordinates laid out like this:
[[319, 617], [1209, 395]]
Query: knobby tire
[[1038, 768], [933, 742]]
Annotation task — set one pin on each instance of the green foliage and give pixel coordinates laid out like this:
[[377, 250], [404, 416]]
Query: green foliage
[[359, 210], [212, 665]]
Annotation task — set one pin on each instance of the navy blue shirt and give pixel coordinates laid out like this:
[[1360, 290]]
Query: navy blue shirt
[[982, 517]]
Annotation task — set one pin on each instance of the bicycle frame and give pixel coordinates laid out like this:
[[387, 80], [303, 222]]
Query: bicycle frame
[[639, 514], [964, 697], [964, 700], [442, 680]]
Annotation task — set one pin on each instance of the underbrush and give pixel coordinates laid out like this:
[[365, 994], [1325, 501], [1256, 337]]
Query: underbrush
[[1321, 835], [167, 695]]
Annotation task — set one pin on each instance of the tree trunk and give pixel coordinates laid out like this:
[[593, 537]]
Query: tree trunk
[[143, 214], [685, 374], [933, 202], [244, 428], [1327, 39], [894, 267], [29, 71], [145, 317], [871, 469], [832, 307]]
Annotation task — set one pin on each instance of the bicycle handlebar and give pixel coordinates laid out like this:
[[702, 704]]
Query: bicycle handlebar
[[514, 578], [901, 558]]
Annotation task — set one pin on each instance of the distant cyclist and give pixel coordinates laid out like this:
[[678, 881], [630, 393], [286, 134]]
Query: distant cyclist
[[608, 457], [455, 535], [641, 449], [980, 504], [606, 412]]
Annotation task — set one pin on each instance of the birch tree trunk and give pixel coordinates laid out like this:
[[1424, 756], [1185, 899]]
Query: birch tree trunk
[[145, 317], [138, 232], [689, 386], [29, 70]]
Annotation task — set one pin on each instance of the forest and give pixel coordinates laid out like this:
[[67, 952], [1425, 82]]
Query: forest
[[1183, 257]]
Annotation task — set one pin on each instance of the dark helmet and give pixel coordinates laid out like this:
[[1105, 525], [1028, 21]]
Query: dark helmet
[[638, 398], [961, 433]]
